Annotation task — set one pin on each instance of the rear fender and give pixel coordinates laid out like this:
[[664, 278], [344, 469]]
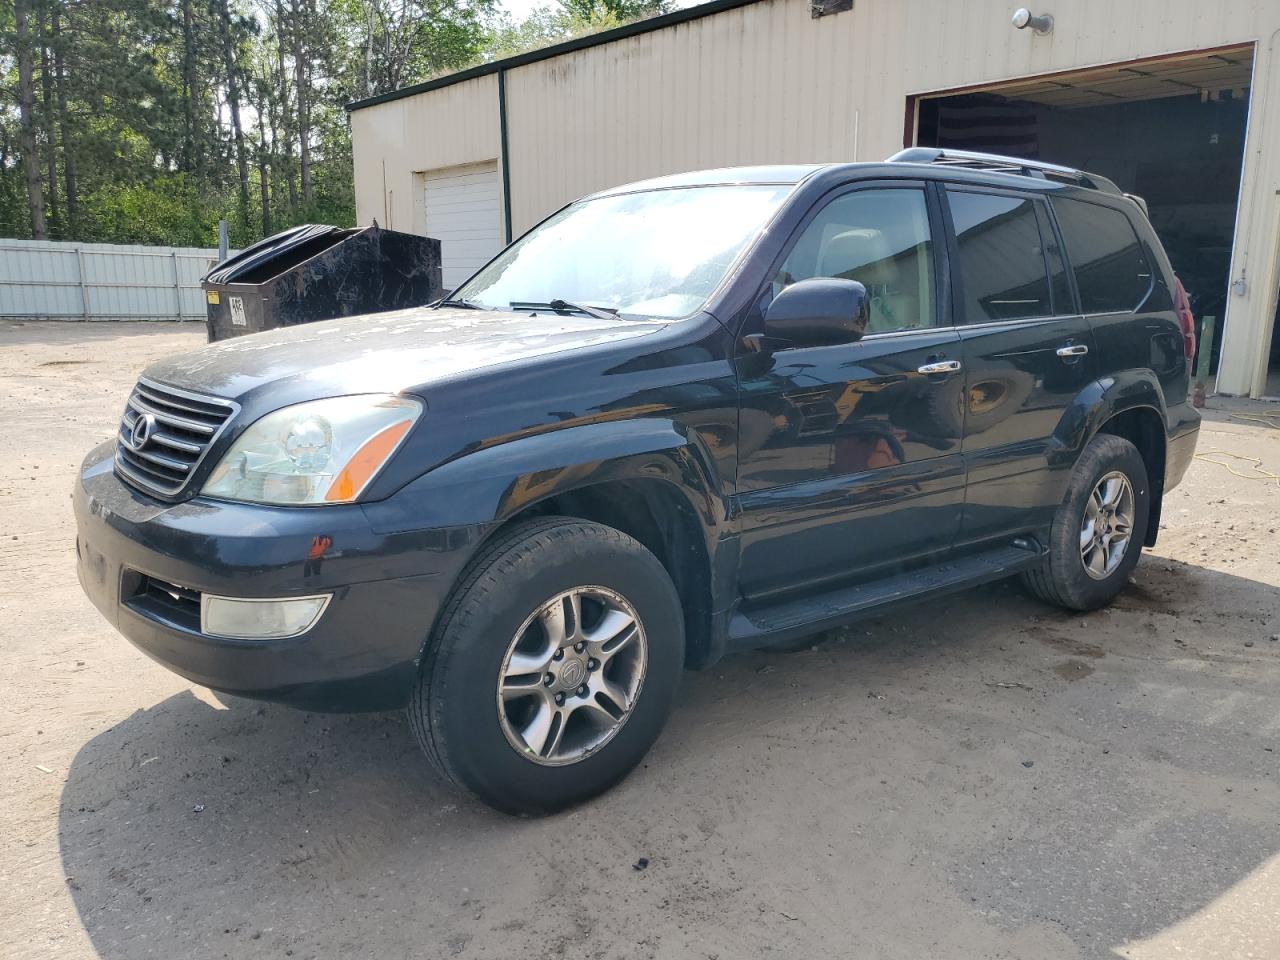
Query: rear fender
[[1094, 406], [1099, 402]]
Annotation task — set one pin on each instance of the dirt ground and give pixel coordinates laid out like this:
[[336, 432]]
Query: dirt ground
[[979, 777]]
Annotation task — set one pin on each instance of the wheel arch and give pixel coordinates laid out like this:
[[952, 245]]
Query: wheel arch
[[1131, 405], [652, 479], [660, 516], [1144, 428]]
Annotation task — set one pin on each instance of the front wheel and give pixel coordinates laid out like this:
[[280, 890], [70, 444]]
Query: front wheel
[[553, 667], [1098, 529]]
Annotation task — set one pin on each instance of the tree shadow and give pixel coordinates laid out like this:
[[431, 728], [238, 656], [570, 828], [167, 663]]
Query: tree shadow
[[870, 795]]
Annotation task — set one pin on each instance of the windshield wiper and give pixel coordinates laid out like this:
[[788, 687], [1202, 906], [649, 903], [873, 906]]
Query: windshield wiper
[[563, 306], [465, 304]]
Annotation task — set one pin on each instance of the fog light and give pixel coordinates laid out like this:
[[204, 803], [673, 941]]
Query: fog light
[[238, 618]]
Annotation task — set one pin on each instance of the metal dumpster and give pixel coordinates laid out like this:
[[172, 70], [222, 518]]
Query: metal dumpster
[[316, 272]]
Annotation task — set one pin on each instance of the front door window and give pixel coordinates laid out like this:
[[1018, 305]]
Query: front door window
[[881, 239]]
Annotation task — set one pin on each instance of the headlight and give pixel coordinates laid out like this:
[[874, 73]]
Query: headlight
[[324, 451]]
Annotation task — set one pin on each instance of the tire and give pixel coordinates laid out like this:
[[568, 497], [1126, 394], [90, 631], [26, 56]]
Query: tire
[[499, 612], [1063, 579]]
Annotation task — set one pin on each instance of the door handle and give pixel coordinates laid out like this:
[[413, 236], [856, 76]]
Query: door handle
[[942, 366], [1073, 350]]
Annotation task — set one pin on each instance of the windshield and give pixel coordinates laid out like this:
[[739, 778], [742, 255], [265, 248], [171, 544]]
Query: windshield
[[659, 253]]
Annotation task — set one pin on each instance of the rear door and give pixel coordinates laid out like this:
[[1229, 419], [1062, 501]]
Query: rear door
[[1026, 350]]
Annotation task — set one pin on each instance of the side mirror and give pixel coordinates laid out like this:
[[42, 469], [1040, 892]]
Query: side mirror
[[819, 310]]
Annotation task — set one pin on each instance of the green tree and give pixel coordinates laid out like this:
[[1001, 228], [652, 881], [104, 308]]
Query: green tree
[[547, 25], [149, 120], [613, 11]]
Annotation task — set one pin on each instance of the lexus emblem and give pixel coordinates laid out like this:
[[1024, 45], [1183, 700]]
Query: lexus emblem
[[140, 432], [572, 673]]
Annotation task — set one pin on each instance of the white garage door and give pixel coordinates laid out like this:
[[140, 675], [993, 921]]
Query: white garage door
[[463, 214]]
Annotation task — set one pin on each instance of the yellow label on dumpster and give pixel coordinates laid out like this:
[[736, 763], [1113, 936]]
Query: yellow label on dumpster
[[213, 297]]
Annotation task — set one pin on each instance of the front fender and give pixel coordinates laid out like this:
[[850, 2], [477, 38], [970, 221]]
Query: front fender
[[470, 496], [488, 486]]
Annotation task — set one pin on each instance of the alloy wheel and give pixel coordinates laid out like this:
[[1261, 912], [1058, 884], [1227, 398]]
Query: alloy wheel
[[1107, 526], [572, 675]]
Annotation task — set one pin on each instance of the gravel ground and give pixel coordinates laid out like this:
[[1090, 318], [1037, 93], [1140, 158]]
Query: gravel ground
[[978, 777]]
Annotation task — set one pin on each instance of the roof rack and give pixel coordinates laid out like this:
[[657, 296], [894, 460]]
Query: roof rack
[[998, 164]]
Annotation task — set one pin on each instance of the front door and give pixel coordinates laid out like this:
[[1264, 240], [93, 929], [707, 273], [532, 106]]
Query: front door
[[849, 454], [1026, 351]]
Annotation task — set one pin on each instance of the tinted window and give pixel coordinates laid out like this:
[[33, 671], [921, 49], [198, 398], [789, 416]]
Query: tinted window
[[1002, 267], [881, 239], [1111, 269]]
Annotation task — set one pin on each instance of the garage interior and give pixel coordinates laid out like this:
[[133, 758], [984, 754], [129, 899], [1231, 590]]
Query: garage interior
[[1171, 130]]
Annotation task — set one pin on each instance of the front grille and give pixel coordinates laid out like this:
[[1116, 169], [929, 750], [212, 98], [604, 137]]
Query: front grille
[[180, 429]]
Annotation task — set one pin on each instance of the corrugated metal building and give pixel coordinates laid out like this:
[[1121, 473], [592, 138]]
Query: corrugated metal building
[[1174, 99]]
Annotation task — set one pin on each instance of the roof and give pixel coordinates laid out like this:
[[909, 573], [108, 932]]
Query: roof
[[778, 173], [547, 53], [915, 162]]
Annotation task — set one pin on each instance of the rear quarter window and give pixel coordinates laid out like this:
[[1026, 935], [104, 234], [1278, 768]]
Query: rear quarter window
[[1112, 271]]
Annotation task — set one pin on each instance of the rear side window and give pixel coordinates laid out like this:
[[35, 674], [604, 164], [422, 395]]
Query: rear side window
[[1111, 268], [1002, 266]]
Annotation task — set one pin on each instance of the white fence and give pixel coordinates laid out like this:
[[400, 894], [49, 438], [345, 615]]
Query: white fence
[[51, 280]]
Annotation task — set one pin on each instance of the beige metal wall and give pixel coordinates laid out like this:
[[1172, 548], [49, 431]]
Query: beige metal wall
[[395, 143], [767, 83]]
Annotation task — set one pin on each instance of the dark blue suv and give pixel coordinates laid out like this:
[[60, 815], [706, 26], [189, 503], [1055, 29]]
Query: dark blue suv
[[676, 419]]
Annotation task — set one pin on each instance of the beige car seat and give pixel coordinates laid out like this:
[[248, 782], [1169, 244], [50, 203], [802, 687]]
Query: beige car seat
[[863, 254]]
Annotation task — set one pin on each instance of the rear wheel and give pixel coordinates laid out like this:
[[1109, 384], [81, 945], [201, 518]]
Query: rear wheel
[[553, 668], [1096, 537]]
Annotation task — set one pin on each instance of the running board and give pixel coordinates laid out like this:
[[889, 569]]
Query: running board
[[792, 619]]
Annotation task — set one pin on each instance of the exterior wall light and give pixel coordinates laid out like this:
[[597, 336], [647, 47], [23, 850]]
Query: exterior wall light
[[1040, 25]]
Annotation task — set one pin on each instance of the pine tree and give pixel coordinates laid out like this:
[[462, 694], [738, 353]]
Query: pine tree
[[150, 120]]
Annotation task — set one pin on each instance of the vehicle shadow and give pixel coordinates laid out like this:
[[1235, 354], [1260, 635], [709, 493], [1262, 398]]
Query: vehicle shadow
[[978, 776]]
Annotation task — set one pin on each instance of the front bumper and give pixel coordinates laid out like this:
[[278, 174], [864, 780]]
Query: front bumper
[[361, 654]]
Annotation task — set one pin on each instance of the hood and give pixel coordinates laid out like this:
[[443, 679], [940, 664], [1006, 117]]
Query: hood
[[384, 352]]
